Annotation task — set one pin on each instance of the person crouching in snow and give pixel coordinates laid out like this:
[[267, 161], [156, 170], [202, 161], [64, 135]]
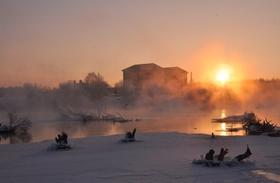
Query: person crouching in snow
[[210, 159], [62, 138], [243, 156], [210, 155], [58, 139], [130, 136], [222, 154], [61, 142]]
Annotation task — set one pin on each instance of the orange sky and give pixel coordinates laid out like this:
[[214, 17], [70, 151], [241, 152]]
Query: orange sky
[[47, 42]]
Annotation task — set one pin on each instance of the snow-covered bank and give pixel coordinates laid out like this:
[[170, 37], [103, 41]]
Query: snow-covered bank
[[161, 157]]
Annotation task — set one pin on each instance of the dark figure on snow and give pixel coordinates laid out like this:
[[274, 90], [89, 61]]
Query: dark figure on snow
[[58, 139], [210, 155], [213, 135], [62, 138], [130, 135], [245, 155], [222, 154]]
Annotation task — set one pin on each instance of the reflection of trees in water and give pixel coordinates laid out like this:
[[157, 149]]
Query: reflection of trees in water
[[79, 129], [101, 128], [15, 138], [191, 123], [167, 124]]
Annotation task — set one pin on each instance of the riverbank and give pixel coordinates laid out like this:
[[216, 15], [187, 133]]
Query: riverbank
[[157, 157]]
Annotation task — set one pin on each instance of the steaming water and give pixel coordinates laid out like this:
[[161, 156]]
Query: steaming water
[[192, 122]]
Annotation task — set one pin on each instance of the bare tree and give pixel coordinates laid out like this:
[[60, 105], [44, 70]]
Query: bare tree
[[96, 86]]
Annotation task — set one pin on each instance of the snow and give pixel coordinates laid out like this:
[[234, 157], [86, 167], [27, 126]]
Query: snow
[[157, 157]]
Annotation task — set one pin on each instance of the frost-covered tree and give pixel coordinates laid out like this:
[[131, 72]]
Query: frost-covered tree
[[96, 86]]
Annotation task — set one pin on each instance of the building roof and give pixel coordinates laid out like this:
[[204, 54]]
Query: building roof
[[141, 66], [155, 66], [175, 69]]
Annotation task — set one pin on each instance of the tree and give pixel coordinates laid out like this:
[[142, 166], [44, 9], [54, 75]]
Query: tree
[[96, 86]]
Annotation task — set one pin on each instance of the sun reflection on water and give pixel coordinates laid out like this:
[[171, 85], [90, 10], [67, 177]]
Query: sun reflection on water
[[223, 125], [223, 113]]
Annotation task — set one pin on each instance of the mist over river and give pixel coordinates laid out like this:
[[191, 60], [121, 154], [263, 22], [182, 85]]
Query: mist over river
[[194, 122]]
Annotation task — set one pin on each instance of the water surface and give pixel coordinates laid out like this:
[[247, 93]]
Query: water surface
[[191, 122]]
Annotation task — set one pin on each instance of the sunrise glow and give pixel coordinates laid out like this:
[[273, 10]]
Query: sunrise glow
[[223, 76]]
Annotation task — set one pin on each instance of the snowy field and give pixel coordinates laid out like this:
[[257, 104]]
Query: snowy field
[[158, 157]]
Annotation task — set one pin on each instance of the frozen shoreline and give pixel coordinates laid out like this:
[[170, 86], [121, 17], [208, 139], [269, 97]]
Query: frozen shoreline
[[159, 157]]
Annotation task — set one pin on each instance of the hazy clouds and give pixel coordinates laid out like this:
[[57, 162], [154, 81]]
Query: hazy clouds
[[52, 41]]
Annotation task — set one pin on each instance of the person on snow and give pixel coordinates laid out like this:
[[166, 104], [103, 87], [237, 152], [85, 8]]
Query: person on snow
[[222, 154], [131, 135], [58, 139], [213, 135], [210, 155], [62, 138], [245, 155]]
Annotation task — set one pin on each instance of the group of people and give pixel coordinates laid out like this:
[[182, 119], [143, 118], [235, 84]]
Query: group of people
[[220, 157], [210, 155], [62, 139]]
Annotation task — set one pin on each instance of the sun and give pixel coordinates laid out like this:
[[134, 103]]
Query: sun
[[223, 76]]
